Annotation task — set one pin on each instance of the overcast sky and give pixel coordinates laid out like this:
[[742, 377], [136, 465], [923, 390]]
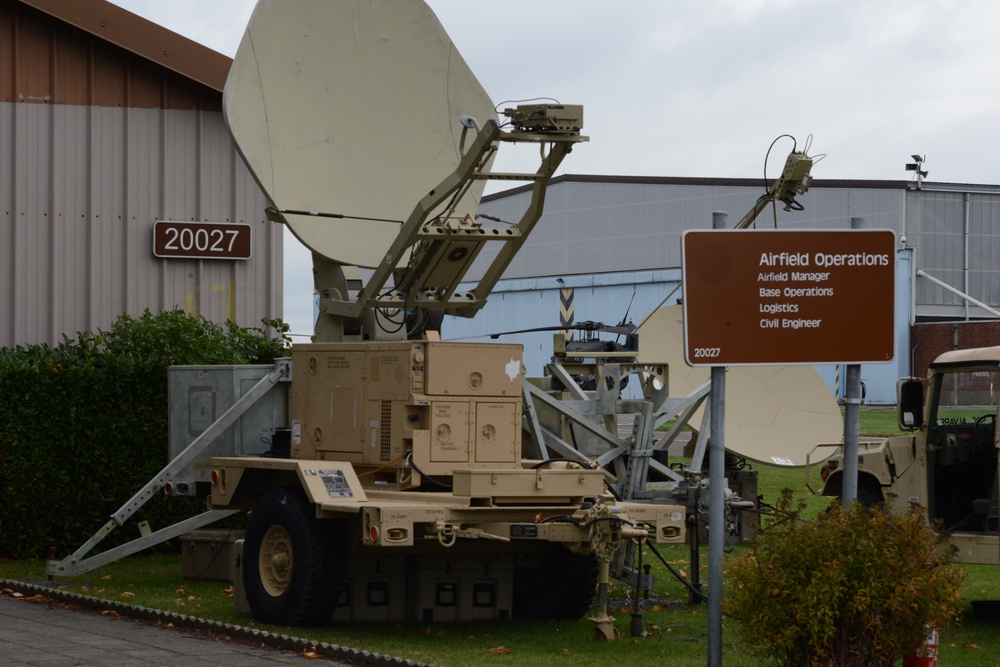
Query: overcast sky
[[702, 87]]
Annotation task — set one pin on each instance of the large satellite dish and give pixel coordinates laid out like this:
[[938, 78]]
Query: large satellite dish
[[338, 109], [774, 414]]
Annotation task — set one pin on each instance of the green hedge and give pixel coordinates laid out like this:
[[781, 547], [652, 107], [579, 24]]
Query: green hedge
[[83, 425]]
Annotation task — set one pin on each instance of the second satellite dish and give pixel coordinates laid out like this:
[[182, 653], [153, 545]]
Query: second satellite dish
[[336, 108], [774, 414]]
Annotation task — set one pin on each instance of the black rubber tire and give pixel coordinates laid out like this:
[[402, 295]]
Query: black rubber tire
[[561, 589], [293, 563], [869, 495]]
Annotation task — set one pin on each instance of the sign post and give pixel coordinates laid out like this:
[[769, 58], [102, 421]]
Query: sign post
[[716, 497]]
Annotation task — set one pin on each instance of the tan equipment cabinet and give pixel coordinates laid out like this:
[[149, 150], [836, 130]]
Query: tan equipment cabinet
[[453, 405]]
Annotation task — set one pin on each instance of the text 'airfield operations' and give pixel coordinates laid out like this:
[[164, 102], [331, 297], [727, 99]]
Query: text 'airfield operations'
[[763, 297]]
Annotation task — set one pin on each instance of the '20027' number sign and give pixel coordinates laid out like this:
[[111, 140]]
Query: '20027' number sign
[[201, 240]]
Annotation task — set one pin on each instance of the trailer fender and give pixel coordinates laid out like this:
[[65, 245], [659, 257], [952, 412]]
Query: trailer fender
[[869, 489]]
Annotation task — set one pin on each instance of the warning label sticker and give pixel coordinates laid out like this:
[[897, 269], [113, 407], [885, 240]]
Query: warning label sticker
[[335, 483]]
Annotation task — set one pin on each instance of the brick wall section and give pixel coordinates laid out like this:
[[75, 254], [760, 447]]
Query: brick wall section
[[930, 340]]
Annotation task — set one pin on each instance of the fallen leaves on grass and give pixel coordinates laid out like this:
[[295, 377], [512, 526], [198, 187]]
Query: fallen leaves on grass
[[502, 650]]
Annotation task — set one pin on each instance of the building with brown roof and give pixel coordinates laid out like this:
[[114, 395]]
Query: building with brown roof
[[108, 124]]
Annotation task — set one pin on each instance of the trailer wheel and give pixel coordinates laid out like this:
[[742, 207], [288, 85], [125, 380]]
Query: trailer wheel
[[562, 588], [293, 562]]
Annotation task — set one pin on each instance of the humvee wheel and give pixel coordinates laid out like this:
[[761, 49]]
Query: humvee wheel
[[869, 496], [293, 562]]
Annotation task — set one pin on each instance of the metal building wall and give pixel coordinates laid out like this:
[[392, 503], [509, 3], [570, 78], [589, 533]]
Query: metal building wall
[[45, 60], [534, 302], [96, 144], [606, 224], [81, 189], [954, 232]]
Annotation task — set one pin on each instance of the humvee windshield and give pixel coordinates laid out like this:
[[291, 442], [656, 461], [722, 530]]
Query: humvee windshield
[[961, 450]]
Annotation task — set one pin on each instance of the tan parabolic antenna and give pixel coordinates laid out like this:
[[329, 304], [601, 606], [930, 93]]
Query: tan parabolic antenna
[[350, 109], [774, 414]]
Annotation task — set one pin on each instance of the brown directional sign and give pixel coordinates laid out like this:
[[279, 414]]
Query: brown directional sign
[[202, 240], [788, 297]]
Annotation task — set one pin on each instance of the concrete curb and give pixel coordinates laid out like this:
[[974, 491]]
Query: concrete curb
[[278, 641]]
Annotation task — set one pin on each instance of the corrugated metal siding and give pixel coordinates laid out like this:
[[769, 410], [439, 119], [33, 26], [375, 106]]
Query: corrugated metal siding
[[984, 248], [46, 61], [96, 144], [934, 228], [962, 254], [534, 302], [80, 190], [594, 227]]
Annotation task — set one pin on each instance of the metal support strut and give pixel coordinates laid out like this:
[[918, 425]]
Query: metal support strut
[[76, 564]]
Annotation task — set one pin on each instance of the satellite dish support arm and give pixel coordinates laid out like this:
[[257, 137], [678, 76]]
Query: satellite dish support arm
[[441, 251]]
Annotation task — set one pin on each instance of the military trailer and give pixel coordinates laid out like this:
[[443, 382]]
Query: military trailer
[[382, 468], [403, 492]]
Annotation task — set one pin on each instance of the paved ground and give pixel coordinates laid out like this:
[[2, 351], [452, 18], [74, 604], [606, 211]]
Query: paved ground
[[45, 633]]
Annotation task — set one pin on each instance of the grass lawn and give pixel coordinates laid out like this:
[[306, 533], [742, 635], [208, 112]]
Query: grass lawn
[[675, 631]]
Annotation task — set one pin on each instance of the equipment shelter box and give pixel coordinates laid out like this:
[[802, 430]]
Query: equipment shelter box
[[199, 395], [209, 554]]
